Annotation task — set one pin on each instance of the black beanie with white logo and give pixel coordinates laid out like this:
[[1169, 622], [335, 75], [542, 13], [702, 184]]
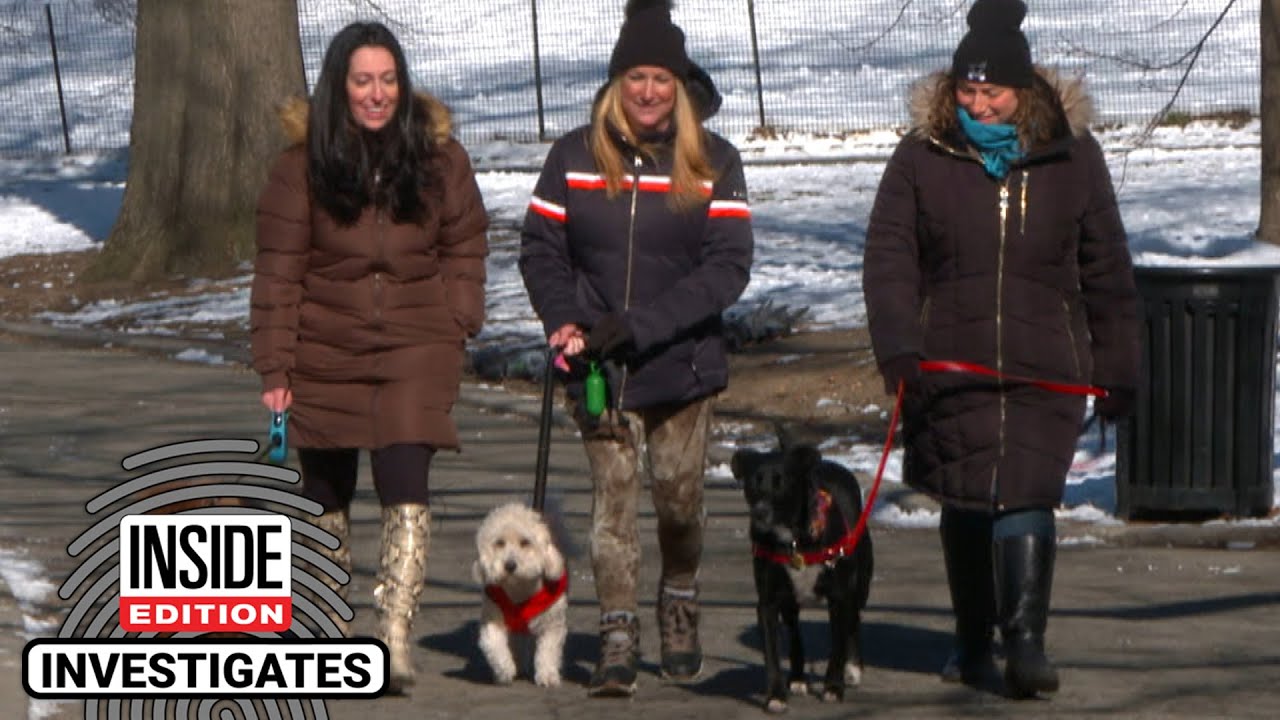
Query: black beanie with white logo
[[995, 50], [648, 37]]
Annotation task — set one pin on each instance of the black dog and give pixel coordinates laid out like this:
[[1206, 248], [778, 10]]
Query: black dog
[[803, 513]]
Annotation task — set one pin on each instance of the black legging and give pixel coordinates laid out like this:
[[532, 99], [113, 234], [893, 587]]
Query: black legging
[[399, 474]]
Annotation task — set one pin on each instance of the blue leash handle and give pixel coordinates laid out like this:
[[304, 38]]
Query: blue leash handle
[[278, 438]]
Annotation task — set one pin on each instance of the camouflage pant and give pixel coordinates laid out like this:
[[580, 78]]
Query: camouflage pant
[[672, 443]]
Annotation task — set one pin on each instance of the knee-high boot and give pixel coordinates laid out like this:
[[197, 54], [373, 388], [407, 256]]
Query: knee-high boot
[[338, 524], [966, 550], [402, 572], [1024, 568]]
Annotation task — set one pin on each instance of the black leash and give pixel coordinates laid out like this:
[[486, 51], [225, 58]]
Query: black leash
[[544, 432]]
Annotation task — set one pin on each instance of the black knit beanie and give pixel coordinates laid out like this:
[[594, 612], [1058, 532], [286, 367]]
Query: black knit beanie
[[648, 37], [995, 50]]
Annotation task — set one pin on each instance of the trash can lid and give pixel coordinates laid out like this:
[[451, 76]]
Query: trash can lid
[[1207, 271]]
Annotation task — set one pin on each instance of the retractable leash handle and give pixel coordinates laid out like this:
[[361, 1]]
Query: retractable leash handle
[[278, 438]]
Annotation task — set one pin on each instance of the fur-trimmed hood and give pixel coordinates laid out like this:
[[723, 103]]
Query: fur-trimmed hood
[[926, 94], [293, 114]]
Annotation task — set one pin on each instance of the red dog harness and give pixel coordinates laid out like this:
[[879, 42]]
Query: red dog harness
[[844, 546], [820, 506], [519, 616]]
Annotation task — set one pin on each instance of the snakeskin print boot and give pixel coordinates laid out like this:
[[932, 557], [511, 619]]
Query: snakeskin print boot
[[402, 573]]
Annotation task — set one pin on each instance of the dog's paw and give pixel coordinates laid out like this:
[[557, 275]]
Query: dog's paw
[[831, 694], [547, 678], [776, 705], [852, 675], [798, 686], [504, 675]]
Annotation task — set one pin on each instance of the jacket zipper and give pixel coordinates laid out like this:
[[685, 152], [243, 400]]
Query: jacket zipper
[[379, 229], [1004, 217], [631, 246]]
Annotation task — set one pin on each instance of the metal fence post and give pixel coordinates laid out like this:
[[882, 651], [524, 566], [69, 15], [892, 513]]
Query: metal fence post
[[755, 59], [537, 71], [57, 76]]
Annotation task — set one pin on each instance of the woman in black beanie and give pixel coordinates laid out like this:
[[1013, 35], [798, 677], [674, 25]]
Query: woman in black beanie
[[995, 240], [637, 238]]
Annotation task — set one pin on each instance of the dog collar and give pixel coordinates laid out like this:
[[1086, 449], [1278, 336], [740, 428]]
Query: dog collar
[[842, 547], [519, 616]]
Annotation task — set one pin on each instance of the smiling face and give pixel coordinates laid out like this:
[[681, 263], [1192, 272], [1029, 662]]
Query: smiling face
[[648, 98], [373, 87], [987, 103]]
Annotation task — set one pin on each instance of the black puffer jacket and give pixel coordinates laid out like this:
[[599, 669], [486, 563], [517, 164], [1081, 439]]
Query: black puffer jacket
[[581, 251], [1030, 276]]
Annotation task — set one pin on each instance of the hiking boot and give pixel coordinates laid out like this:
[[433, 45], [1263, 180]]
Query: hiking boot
[[678, 628], [615, 673]]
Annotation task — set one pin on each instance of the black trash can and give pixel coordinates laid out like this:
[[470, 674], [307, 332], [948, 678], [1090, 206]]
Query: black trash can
[[1200, 440]]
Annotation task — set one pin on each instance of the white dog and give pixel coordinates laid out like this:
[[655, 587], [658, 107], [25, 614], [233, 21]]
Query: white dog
[[525, 592]]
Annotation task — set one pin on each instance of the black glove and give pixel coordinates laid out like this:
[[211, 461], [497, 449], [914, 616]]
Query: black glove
[[611, 338], [1118, 403], [905, 368]]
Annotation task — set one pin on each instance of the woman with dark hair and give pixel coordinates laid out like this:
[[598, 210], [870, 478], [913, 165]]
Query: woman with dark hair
[[369, 279], [995, 240], [637, 238]]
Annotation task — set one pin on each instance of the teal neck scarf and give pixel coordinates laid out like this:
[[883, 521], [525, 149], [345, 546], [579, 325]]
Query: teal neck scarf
[[997, 145]]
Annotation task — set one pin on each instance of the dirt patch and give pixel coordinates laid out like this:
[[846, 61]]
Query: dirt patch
[[818, 383], [32, 284]]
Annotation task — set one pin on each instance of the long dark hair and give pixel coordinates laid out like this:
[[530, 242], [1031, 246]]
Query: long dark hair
[[344, 159]]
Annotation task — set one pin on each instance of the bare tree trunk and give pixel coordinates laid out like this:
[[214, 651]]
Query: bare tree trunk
[[1269, 110], [208, 77]]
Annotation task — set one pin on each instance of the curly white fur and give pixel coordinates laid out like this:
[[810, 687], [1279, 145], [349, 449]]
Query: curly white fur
[[517, 554]]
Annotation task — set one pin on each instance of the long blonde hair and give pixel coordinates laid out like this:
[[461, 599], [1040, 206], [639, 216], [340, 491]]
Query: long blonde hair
[[691, 168]]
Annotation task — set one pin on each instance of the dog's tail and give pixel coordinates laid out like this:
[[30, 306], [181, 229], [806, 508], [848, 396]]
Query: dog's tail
[[553, 515]]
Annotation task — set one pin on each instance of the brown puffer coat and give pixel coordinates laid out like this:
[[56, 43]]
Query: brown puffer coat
[[1030, 276], [367, 323]]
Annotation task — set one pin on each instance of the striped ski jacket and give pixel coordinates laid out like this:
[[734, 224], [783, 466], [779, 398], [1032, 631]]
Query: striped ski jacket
[[672, 273]]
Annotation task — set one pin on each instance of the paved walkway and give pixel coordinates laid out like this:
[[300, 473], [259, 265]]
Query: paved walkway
[[1157, 622]]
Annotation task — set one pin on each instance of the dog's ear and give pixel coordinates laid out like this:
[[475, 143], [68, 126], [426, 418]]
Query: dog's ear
[[477, 573], [801, 460], [744, 463], [553, 563]]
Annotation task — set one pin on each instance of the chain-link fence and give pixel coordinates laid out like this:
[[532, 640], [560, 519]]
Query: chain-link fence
[[527, 69]]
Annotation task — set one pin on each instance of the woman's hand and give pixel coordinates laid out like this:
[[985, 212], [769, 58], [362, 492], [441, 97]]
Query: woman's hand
[[569, 338], [277, 399]]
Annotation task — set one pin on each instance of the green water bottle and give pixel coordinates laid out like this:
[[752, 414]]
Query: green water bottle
[[595, 391]]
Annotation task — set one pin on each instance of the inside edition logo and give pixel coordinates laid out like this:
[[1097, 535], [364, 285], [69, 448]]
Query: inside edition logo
[[212, 573], [171, 605]]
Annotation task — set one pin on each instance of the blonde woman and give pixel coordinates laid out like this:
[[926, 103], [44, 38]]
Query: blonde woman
[[637, 238]]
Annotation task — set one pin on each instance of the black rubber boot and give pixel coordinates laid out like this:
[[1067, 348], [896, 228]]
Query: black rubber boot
[[966, 550], [1024, 569]]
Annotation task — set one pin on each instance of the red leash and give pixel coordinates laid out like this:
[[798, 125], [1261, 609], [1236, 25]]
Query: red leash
[[954, 366], [850, 541], [975, 369]]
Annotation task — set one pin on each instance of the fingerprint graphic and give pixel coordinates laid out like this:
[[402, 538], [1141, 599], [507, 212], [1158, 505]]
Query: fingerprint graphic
[[239, 487]]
